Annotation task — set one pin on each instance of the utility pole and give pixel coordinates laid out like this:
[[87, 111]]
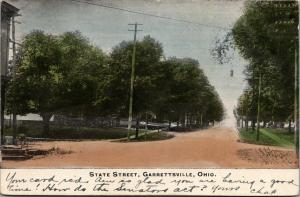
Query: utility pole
[[246, 100], [132, 74], [296, 115], [258, 107], [243, 102], [201, 123]]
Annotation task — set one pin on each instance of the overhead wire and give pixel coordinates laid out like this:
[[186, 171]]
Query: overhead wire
[[149, 14], [165, 17]]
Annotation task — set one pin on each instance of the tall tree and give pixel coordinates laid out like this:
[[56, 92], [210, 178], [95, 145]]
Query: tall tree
[[55, 74], [186, 93], [266, 35], [114, 88], [82, 67], [36, 83]]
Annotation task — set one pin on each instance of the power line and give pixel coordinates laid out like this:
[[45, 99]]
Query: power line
[[165, 17], [149, 14]]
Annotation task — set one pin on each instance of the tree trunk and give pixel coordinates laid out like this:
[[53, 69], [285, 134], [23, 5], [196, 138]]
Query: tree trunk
[[182, 120], [46, 123], [14, 128], [117, 122], [201, 121], [264, 124], [10, 125], [258, 107], [137, 127], [246, 115], [290, 125], [253, 125], [242, 122], [147, 120]]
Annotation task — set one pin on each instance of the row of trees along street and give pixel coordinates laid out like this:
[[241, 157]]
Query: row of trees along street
[[66, 74], [266, 35]]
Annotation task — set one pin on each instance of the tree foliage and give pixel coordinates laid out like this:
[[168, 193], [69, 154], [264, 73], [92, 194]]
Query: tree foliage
[[66, 74], [55, 74], [266, 35]]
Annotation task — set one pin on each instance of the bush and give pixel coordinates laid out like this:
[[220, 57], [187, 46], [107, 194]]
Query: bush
[[72, 133]]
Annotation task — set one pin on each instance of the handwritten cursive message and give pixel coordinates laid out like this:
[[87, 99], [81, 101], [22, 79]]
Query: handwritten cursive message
[[236, 182]]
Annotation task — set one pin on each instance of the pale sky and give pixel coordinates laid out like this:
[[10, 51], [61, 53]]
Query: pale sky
[[107, 27]]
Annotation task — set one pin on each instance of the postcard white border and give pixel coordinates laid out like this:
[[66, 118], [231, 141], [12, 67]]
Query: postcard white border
[[246, 182]]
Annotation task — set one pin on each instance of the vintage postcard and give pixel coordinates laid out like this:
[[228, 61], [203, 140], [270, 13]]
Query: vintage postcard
[[150, 97]]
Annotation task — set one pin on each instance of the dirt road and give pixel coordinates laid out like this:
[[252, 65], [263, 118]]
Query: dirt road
[[212, 148]]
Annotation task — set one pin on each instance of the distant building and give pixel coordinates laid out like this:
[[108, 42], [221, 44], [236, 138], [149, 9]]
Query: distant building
[[8, 11]]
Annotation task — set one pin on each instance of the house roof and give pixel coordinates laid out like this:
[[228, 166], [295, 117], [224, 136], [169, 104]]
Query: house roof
[[8, 9]]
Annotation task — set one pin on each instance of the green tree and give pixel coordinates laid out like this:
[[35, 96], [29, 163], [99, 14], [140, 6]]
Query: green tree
[[266, 35], [82, 67], [113, 91], [56, 74], [35, 87], [187, 94]]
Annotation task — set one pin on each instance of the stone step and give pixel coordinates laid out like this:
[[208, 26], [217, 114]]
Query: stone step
[[37, 152], [11, 147], [8, 151], [15, 157]]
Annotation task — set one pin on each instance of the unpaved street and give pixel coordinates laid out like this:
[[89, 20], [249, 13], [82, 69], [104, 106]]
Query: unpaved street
[[212, 148]]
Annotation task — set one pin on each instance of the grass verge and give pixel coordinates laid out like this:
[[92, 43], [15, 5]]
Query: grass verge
[[153, 136], [268, 136]]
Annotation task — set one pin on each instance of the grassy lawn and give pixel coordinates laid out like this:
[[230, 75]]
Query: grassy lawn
[[153, 136], [274, 137], [75, 133]]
